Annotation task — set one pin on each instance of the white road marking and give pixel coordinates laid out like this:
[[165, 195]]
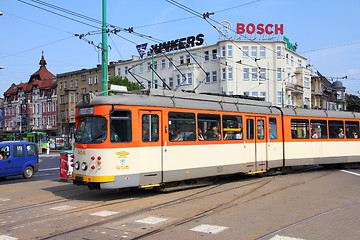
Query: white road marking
[[104, 213], [151, 220], [356, 174], [278, 237], [4, 199], [62, 208], [206, 228], [5, 237], [49, 169]]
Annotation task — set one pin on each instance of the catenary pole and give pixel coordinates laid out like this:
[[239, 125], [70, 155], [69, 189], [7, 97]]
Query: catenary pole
[[104, 50]]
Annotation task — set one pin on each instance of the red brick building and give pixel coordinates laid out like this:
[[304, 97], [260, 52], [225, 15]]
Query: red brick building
[[32, 105]]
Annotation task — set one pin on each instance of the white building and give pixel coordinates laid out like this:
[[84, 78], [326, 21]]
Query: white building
[[264, 69]]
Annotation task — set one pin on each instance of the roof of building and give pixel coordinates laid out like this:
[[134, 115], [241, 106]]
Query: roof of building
[[42, 78]]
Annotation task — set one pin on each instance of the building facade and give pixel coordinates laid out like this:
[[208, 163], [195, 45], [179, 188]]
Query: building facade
[[32, 106], [266, 69], [71, 87]]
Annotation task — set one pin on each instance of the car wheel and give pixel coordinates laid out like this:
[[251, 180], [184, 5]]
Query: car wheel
[[28, 172]]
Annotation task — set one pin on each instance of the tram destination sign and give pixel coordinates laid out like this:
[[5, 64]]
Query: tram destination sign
[[178, 44]]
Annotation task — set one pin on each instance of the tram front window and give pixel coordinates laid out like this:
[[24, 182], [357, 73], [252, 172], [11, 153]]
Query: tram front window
[[91, 130]]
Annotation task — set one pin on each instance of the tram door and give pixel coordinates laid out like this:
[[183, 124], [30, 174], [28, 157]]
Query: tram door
[[151, 150], [256, 136]]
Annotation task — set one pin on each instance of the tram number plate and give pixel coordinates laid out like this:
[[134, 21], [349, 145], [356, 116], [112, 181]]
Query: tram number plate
[[78, 178]]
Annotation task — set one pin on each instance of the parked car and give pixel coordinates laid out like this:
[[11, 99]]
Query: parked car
[[18, 158]]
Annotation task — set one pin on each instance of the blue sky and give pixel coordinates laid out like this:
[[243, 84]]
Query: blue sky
[[326, 32]]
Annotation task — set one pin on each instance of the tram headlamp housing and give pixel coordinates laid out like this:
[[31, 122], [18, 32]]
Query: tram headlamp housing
[[84, 166], [77, 165]]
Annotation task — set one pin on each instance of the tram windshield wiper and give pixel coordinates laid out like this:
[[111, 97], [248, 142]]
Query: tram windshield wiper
[[93, 139]]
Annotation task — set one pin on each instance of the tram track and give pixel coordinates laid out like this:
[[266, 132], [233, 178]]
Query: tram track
[[201, 194], [171, 203]]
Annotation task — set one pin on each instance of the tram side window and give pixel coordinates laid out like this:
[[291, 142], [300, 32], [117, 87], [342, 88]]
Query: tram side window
[[232, 127], [250, 128], [352, 129], [336, 129], [209, 127], [120, 126], [299, 128], [318, 129], [272, 128], [260, 129], [182, 126], [150, 128]]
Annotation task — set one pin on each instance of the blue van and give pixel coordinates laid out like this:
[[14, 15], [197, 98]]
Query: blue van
[[18, 158]]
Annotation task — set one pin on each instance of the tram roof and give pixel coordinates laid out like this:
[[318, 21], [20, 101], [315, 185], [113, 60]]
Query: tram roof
[[184, 100], [172, 99]]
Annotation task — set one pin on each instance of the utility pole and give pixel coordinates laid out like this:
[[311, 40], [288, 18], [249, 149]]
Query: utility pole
[[104, 50]]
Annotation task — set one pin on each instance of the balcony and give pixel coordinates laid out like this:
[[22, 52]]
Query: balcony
[[296, 88]]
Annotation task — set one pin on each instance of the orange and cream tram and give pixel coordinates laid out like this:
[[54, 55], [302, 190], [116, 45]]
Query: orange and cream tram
[[156, 138]]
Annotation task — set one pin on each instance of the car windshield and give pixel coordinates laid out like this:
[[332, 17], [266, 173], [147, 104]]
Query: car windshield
[[91, 130]]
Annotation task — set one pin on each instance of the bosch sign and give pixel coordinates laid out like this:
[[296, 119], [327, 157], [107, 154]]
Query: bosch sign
[[178, 44], [260, 28]]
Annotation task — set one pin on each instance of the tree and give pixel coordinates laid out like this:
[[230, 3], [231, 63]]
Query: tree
[[117, 80], [353, 103]]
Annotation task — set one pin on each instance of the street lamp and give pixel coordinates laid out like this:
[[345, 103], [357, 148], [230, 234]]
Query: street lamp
[[2, 67], [1, 13]]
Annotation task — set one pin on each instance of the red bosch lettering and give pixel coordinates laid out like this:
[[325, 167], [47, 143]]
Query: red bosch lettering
[[260, 28], [252, 30], [267, 29], [279, 28], [240, 28]]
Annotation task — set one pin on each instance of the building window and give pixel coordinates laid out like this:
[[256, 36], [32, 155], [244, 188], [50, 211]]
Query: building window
[[306, 82], [223, 51], [254, 94], [77, 83], [96, 79], [189, 78], [246, 73], [181, 59], [254, 74], [54, 121], [262, 73], [206, 56], [245, 52], [148, 66], [292, 60], [207, 77], [90, 80], [279, 97], [71, 84], [262, 52], [72, 97], [299, 63], [65, 86], [278, 52], [230, 73], [163, 64], [141, 68], [177, 80], [187, 58], [214, 76], [287, 58], [278, 75], [229, 50], [119, 71], [254, 52], [223, 73], [83, 77], [77, 97], [155, 65], [126, 70], [214, 54], [246, 94], [171, 82], [263, 95], [170, 63]]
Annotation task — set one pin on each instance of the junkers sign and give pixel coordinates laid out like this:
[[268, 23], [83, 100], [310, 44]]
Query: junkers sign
[[178, 44]]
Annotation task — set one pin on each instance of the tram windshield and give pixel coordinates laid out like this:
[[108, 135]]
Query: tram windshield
[[91, 130]]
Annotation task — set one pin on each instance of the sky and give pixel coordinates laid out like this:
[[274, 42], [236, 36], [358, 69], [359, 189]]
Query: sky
[[326, 32]]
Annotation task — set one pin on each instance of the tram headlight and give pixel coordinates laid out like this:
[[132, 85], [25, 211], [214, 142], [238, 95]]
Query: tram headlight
[[77, 165], [84, 166]]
